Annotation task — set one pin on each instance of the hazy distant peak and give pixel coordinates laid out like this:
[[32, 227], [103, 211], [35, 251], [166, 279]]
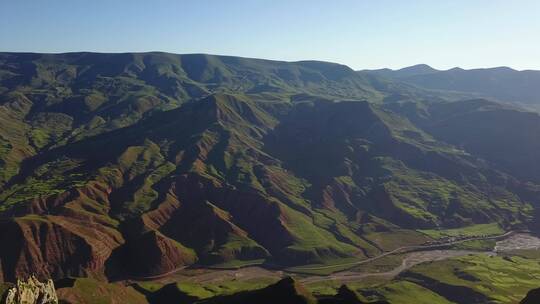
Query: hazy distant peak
[[416, 70], [503, 69]]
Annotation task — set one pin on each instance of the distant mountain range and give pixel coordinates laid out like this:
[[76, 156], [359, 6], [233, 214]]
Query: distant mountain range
[[501, 83], [136, 164]]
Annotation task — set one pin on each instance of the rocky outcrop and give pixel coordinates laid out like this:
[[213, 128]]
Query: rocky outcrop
[[32, 291]]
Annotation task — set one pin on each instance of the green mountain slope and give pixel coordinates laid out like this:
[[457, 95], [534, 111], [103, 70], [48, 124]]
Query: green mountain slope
[[140, 164]]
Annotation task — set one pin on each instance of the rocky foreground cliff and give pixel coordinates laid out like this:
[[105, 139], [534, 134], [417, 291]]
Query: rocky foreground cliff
[[32, 291]]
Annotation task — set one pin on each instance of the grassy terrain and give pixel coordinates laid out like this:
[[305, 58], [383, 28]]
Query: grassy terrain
[[408, 292], [90, 291], [396, 238], [383, 264], [524, 253], [474, 230], [504, 280], [329, 266], [329, 287], [233, 264], [207, 290], [466, 279], [149, 286], [480, 245], [312, 240]]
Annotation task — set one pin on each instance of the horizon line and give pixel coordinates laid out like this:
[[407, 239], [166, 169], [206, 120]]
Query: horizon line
[[274, 59]]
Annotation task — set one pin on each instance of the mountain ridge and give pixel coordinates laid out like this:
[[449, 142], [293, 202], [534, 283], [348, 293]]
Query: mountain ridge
[[181, 160], [500, 83]]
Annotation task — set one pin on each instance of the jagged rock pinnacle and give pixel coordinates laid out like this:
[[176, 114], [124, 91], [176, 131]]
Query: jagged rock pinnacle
[[32, 291]]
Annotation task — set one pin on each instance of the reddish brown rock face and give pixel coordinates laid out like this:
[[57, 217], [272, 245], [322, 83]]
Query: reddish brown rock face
[[160, 254], [55, 247], [247, 211], [73, 242]]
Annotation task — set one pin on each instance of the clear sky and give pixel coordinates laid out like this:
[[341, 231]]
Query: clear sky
[[361, 34]]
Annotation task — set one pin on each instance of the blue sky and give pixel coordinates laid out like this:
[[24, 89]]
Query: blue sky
[[361, 34]]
